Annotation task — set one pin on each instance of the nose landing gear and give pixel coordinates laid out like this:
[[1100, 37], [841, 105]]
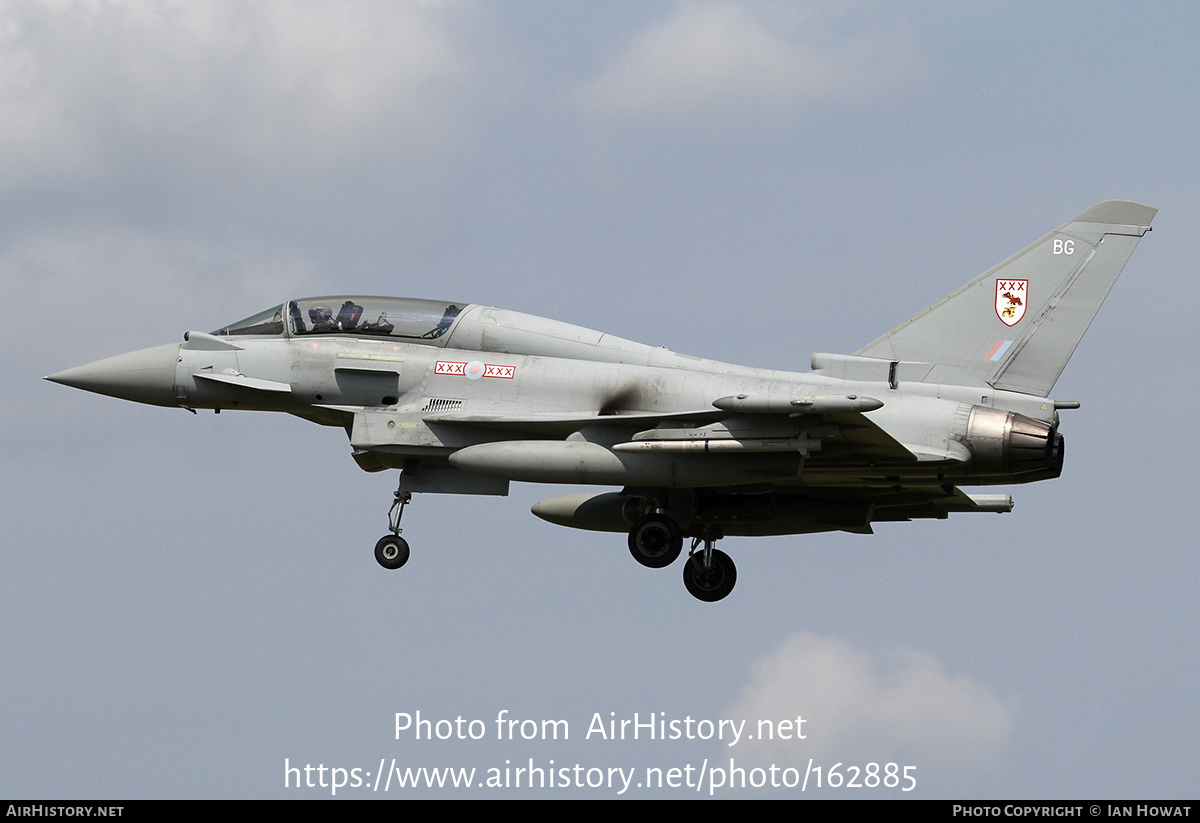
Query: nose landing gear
[[392, 550]]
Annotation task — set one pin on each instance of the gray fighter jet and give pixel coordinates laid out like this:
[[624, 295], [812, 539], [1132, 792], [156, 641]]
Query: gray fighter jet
[[465, 398]]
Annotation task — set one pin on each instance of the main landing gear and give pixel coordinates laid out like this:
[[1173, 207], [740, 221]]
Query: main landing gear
[[655, 540], [392, 550], [709, 574]]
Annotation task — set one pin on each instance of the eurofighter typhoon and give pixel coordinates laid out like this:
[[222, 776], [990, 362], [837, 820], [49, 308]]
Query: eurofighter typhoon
[[464, 399]]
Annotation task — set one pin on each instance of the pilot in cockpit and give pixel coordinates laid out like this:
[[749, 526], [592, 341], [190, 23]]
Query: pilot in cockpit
[[322, 319]]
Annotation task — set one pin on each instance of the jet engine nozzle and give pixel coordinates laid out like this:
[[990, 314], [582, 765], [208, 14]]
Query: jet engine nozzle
[[1012, 443]]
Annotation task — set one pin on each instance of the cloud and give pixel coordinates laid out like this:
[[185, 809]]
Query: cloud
[[284, 84], [898, 707], [118, 288], [724, 58]]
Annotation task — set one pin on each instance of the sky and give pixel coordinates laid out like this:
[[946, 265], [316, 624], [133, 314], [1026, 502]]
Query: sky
[[190, 604]]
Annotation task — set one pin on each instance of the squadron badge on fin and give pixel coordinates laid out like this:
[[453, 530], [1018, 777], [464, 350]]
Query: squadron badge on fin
[[1011, 297]]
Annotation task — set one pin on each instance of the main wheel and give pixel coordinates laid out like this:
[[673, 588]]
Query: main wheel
[[711, 584], [655, 541], [391, 551]]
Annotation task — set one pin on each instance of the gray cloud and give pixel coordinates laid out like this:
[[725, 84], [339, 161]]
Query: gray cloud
[[723, 57], [134, 285], [265, 83]]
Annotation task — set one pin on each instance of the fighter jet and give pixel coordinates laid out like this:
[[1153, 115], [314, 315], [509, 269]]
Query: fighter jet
[[465, 398]]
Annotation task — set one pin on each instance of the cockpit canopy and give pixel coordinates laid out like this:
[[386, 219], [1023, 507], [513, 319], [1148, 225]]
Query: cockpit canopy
[[395, 317]]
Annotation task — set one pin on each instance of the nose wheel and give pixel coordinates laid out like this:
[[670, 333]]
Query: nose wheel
[[392, 551]]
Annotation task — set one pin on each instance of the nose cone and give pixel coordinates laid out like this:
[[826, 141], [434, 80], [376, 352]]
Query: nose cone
[[146, 376]]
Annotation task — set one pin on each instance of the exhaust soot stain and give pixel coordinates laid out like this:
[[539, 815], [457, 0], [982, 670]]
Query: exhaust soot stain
[[623, 401]]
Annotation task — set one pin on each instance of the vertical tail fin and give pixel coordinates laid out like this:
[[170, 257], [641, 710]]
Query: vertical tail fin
[[1016, 325]]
